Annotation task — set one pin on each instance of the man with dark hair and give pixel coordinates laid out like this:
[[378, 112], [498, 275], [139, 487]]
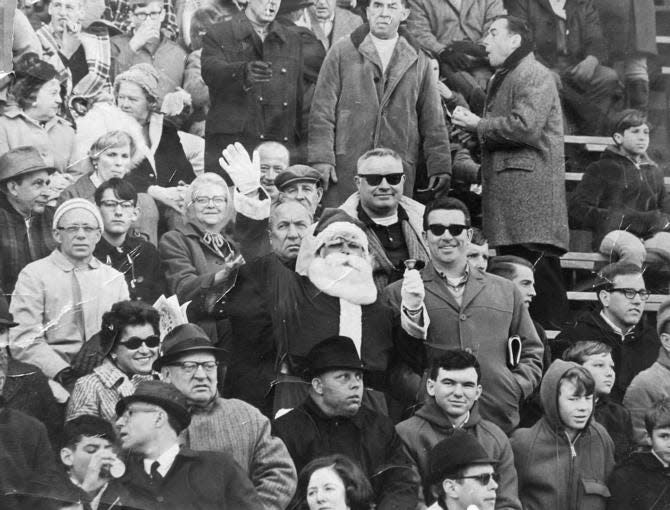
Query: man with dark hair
[[170, 477], [478, 251], [333, 419], [450, 305], [129, 254], [523, 169], [462, 474], [453, 391], [569, 41], [369, 81], [619, 323], [25, 219]]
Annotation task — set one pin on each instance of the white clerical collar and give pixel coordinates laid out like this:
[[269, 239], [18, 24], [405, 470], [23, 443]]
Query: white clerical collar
[[165, 460], [387, 221]]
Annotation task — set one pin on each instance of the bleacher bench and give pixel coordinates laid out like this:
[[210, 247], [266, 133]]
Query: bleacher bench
[[592, 143]]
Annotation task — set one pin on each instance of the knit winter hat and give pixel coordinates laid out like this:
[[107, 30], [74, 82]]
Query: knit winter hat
[[144, 75], [76, 203], [662, 316]]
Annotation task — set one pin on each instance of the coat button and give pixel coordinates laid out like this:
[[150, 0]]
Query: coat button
[[160, 499], [260, 99], [463, 317], [286, 138], [262, 137], [152, 175], [285, 104], [283, 70]]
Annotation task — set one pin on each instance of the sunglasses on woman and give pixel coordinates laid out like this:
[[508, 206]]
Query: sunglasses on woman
[[134, 342], [455, 230]]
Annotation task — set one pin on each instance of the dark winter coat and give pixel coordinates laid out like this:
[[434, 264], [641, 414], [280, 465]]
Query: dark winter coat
[[637, 351], [430, 425], [617, 421], [196, 481], [368, 437], [583, 32], [523, 171], [357, 107], [269, 111], [640, 483], [629, 26], [554, 472], [138, 260], [615, 194]]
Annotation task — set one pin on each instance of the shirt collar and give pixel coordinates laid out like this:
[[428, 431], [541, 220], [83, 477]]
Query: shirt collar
[[61, 261], [616, 328], [665, 464], [165, 460], [463, 280], [369, 222]]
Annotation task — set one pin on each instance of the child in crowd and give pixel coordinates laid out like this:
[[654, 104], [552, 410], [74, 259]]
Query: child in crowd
[[564, 460], [596, 357], [653, 384], [642, 481], [622, 198]]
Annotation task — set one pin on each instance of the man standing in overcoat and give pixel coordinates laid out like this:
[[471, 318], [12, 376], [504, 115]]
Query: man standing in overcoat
[[523, 171]]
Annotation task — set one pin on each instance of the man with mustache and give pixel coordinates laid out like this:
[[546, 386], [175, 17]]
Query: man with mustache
[[333, 419], [453, 305], [619, 324]]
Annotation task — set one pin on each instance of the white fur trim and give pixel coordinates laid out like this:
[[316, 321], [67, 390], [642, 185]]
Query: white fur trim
[[351, 323], [252, 207], [341, 228]]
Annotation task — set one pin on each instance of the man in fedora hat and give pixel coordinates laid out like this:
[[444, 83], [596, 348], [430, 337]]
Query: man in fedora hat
[[189, 361], [332, 420], [162, 473], [463, 473], [25, 219]]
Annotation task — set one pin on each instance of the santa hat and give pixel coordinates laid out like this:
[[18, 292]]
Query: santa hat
[[336, 223]]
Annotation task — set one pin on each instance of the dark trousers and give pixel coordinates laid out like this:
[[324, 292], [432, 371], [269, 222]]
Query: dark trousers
[[550, 305]]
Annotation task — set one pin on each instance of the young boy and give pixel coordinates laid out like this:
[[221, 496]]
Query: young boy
[[564, 460], [596, 357], [653, 384], [88, 463], [642, 481], [622, 199]]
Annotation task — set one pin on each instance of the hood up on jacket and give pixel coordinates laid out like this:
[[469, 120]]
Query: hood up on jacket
[[549, 393]]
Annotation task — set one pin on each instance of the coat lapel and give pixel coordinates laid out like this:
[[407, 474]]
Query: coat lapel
[[473, 287], [402, 59], [437, 286]]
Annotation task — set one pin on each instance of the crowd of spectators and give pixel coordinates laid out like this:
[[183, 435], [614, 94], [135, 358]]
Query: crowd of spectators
[[360, 208]]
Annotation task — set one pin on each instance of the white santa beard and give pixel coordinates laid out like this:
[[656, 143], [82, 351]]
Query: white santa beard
[[353, 284]]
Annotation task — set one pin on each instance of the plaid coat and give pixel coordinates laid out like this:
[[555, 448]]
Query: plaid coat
[[22, 241]]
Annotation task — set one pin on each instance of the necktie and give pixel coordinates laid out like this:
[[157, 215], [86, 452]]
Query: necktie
[[155, 474], [78, 306]]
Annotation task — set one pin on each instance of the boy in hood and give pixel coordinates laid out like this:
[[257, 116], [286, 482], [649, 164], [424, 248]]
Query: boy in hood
[[642, 480], [564, 460], [622, 198]]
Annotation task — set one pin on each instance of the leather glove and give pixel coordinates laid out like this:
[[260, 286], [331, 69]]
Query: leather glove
[[257, 71], [469, 48], [458, 61]]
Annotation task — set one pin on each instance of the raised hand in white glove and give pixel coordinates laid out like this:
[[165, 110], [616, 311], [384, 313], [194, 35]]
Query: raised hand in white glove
[[174, 102], [412, 291], [244, 172]]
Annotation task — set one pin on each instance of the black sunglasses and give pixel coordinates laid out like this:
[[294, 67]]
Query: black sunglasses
[[376, 179], [484, 478], [134, 342], [455, 230]]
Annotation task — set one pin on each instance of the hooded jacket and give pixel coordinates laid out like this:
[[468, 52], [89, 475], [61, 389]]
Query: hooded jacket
[[430, 425], [636, 352], [554, 472], [617, 194]]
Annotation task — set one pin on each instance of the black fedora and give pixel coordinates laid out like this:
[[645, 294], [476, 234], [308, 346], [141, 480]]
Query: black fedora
[[164, 395], [183, 339], [458, 450], [333, 353]]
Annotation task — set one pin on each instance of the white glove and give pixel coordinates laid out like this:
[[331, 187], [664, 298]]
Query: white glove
[[174, 102], [244, 172], [412, 291]]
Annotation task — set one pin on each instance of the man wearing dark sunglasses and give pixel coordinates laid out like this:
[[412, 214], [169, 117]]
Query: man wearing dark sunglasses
[[462, 473], [392, 221], [450, 305]]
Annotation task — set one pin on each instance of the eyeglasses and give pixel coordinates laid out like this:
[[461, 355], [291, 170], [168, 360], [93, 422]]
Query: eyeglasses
[[217, 201], [74, 229], [190, 367], [484, 478], [455, 230], [630, 293], [376, 179], [142, 16], [134, 342], [126, 205]]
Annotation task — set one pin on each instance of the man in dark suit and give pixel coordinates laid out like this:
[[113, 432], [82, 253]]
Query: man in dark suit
[[167, 477]]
